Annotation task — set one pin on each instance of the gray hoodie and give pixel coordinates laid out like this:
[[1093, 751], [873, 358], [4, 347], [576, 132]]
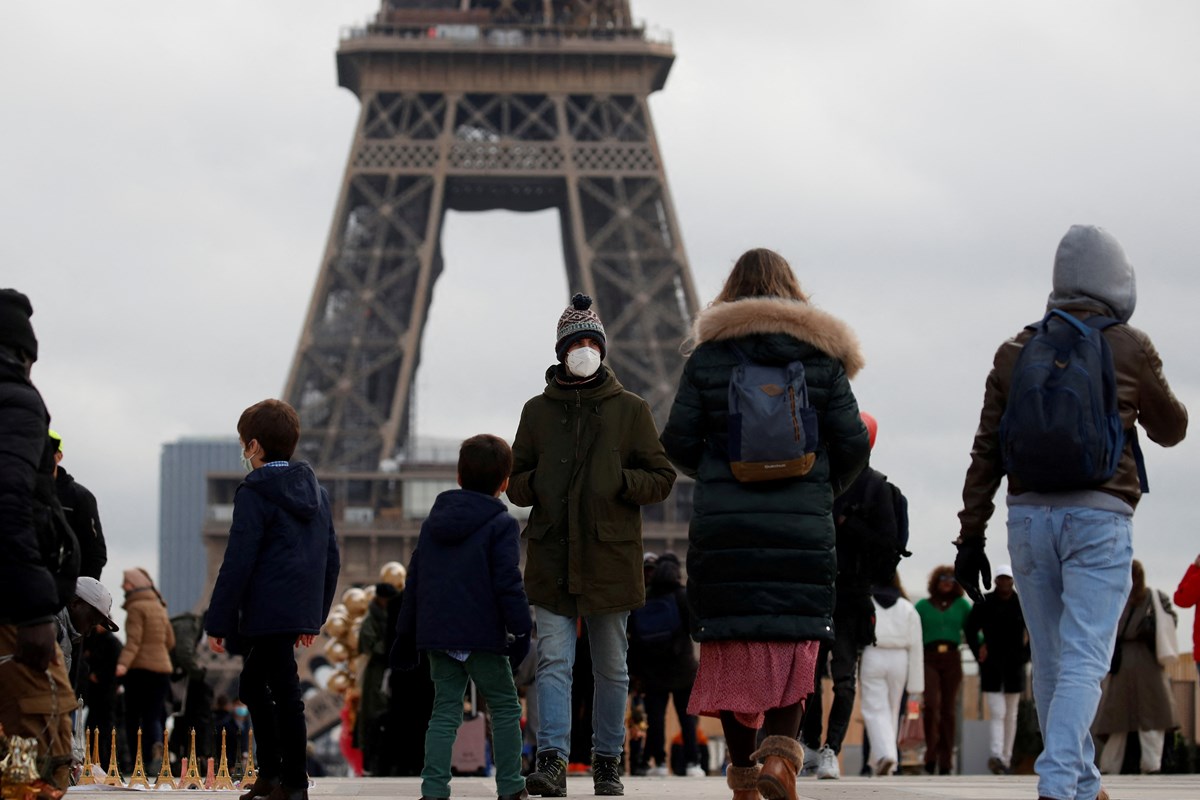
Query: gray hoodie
[[1091, 270]]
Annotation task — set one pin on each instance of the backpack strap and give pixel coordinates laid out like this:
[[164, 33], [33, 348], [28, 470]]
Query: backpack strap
[[1139, 459]]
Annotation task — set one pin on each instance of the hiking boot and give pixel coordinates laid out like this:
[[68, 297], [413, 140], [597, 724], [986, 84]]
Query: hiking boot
[[606, 775], [781, 757], [549, 778], [828, 769], [812, 760]]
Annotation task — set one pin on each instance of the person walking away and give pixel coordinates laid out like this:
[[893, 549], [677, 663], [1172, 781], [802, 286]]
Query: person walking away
[[1138, 696], [943, 616], [372, 642], [99, 687], [79, 505], [39, 560], [661, 655], [894, 664], [995, 631], [274, 591], [586, 458], [144, 666], [1187, 595], [868, 550], [465, 609], [761, 560], [1070, 543]]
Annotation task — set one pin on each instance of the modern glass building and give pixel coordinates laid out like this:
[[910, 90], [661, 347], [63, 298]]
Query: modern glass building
[[182, 564]]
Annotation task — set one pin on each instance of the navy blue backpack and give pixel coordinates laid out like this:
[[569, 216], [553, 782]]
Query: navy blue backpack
[[772, 428], [1061, 429]]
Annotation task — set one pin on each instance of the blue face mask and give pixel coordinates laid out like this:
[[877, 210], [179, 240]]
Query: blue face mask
[[241, 711]]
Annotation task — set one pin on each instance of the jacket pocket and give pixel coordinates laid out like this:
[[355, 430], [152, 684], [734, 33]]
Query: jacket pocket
[[617, 532]]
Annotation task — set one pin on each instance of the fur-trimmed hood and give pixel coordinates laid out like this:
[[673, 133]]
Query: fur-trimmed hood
[[766, 315]]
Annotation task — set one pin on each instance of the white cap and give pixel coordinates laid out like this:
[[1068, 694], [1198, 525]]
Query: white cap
[[92, 592], [1002, 570]]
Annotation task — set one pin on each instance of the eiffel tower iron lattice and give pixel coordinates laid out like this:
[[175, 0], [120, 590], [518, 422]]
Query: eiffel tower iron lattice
[[474, 105]]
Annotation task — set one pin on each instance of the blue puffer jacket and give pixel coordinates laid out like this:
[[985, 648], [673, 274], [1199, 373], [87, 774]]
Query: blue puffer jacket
[[464, 588], [281, 564]]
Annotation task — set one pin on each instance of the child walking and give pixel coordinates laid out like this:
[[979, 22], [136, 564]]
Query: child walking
[[465, 607], [274, 590]]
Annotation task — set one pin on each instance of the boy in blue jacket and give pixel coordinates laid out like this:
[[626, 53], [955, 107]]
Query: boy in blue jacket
[[274, 591], [465, 606]]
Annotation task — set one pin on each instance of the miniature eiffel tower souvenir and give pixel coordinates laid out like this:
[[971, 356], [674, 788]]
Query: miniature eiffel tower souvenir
[[139, 776], [86, 778], [113, 778], [190, 777], [251, 773], [208, 775], [223, 779], [166, 780]]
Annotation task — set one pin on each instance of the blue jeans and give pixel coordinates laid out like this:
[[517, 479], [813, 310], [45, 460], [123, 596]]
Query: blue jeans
[[1072, 570], [556, 660]]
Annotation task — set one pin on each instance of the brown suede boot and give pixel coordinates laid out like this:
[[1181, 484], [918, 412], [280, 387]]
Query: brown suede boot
[[781, 757], [743, 781]]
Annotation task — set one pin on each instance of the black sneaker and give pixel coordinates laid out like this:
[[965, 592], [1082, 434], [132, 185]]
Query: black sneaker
[[606, 775], [549, 778]]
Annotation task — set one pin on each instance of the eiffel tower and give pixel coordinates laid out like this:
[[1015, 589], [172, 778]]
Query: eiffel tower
[[473, 105]]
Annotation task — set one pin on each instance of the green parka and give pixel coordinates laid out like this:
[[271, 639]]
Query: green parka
[[761, 560], [586, 460]]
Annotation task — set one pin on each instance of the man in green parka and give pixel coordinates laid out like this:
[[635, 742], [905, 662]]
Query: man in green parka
[[586, 458]]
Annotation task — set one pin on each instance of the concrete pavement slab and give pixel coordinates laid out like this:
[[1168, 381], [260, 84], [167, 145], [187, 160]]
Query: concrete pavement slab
[[1016, 787]]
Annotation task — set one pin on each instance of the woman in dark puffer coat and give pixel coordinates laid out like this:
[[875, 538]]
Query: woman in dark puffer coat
[[761, 561]]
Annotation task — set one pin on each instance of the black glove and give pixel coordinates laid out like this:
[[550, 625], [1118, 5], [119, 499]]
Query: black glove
[[970, 565], [517, 649], [37, 645]]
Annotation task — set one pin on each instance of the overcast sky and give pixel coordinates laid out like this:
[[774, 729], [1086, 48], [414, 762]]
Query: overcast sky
[[168, 172]]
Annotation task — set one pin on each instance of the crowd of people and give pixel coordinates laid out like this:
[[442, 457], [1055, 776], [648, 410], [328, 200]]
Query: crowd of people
[[790, 575]]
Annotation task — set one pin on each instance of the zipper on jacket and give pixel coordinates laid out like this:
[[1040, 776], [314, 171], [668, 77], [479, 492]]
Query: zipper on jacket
[[578, 421]]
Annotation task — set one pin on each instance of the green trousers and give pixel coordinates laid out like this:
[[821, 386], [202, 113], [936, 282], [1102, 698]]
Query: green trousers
[[493, 678]]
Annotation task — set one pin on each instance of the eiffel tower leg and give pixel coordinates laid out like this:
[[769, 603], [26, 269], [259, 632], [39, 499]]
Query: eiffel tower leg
[[352, 376], [624, 246]]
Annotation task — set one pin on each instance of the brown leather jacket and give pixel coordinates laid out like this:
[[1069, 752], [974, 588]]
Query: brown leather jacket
[[1142, 393]]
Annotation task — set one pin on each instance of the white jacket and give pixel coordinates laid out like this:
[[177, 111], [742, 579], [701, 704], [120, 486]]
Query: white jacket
[[899, 628]]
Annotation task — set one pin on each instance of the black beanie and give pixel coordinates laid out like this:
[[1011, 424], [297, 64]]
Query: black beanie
[[15, 328], [577, 322]]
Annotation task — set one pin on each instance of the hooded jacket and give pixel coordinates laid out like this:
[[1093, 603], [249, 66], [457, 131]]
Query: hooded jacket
[[1091, 276], [149, 637], [586, 460], [464, 588], [281, 563], [29, 592], [761, 562]]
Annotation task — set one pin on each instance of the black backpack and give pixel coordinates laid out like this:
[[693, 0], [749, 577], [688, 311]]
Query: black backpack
[[657, 622], [1061, 429], [876, 517], [56, 540]]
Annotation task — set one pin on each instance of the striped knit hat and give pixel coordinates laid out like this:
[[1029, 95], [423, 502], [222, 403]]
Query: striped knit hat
[[579, 322]]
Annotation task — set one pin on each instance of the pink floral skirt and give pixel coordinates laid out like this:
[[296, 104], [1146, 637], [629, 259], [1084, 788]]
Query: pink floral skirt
[[750, 678]]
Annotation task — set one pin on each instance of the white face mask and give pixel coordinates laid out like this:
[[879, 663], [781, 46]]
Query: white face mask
[[247, 464], [583, 361]]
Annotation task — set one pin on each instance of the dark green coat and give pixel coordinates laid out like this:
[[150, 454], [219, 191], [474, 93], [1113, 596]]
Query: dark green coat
[[587, 460], [761, 560]]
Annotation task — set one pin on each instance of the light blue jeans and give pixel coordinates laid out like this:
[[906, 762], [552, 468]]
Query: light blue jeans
[[556, 660], [1072, 570]]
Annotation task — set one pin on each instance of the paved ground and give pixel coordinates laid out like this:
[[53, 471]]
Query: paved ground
[[1129, 787]]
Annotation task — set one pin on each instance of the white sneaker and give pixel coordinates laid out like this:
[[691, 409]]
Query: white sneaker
[[659, 771], [812, 759], [828, 768], [695, 771]]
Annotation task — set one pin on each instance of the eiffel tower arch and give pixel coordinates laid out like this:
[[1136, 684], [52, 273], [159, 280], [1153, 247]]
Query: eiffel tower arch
[[473, 105]]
